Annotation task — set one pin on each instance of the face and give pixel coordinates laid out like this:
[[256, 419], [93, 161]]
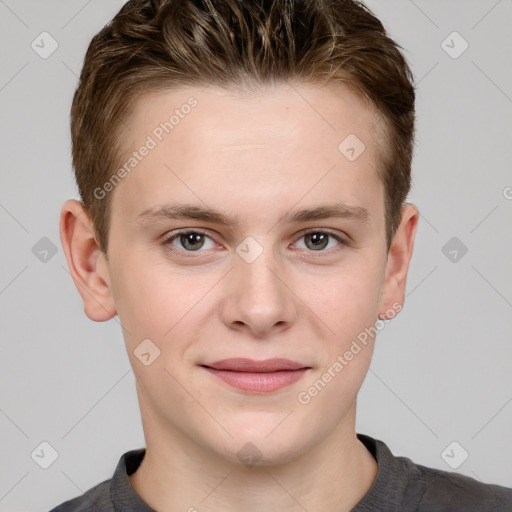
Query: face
[[251, 229]]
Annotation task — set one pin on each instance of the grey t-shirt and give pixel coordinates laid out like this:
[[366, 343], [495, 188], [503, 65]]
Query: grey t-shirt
[[400, 485]]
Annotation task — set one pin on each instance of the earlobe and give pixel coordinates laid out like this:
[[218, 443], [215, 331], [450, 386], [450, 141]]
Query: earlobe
[[86, 262], [399, 257]]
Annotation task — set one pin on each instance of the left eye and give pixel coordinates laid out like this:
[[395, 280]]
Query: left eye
[[319, 240]]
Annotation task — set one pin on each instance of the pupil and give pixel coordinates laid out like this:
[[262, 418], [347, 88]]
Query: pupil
[[319, 240], [190, 241]]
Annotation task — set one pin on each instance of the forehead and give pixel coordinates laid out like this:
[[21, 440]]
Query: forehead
[[284, 112], [209, 143]]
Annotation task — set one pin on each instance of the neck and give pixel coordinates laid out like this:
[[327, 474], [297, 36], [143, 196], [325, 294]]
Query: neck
[[178, 474]]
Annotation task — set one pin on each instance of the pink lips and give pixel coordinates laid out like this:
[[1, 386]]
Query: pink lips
[[257, 376]]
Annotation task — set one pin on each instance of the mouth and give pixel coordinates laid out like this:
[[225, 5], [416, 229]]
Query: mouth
[[257, 376]]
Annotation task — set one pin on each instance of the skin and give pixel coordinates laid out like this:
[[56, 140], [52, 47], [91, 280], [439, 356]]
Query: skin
[[256, 156]]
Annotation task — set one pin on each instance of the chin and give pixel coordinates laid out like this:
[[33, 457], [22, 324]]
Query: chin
[[256, 447]]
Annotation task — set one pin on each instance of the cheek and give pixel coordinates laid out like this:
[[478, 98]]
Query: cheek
[[349, 308], [157, 301], [346, 300]]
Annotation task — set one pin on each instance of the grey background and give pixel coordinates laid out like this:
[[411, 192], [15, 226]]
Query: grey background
[[441, 370]]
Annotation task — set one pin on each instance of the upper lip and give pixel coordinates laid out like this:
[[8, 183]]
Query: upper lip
[[242, 364]]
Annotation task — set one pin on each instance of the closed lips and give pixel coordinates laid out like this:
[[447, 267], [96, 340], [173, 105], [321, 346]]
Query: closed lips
[[250, 365]]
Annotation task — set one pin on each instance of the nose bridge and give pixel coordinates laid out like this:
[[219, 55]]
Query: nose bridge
[[259, 297], [259, 269]]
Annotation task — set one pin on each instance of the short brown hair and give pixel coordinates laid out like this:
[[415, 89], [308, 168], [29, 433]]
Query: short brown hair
[[152, 45]]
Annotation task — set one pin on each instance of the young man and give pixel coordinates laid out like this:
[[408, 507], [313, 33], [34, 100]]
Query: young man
[[243, 168]]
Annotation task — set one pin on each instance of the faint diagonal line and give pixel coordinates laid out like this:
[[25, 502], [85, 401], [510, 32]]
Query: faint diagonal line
[[306, 193], [185, 314], [403, 402], [494, 288], [75, 15], [14, 76], [122, 121], [17, 426], [426, 74], [185, 185], [217, 486], [430, 224], [333, 333], [279, 423], [477, 477], [14, 218], [206, 87], [486, 14], [77, 77], [13, 13], [97, 301], [104, 395], [428, 275], [492, 81], [375, 124], [286, 491], [510, 400], [72, 481], [14, 485], [424, 13], [492, 211], [200, 404], [311, 106], [13, 279], [91, 502]]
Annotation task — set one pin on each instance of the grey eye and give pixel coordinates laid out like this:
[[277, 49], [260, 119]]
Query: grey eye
[[319, 240], [192, 241], [316, 241]]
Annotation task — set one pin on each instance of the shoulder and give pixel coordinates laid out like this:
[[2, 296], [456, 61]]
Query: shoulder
[[101, 497], [446, 491], [405, 486], [95, 499]]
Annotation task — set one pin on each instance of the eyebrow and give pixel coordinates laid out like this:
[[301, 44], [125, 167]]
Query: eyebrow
[[205, 214]]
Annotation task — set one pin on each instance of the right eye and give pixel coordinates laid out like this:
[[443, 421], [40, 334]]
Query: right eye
[[189, 240]]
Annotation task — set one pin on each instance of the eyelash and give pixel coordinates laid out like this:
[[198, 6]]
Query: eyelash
[[168, 239]]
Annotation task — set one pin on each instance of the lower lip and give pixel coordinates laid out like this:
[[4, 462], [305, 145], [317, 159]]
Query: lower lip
[[259, 382]]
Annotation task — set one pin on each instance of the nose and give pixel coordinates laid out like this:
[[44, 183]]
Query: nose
[[257, 298]]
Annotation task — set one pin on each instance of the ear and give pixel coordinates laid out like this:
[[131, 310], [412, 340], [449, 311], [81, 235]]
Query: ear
[[87, 263], [399, 257]]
